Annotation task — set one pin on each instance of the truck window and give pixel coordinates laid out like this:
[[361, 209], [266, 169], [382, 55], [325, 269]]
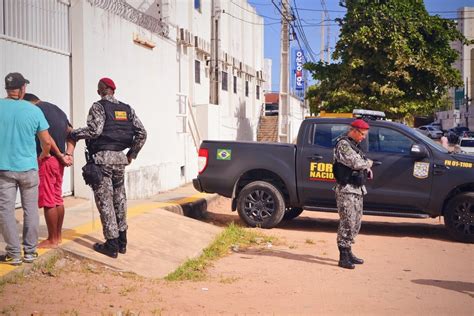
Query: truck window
[[386, 140], [325, 135]]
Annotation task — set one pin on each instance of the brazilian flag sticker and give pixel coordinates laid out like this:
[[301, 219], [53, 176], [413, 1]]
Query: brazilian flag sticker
[[224, 154]]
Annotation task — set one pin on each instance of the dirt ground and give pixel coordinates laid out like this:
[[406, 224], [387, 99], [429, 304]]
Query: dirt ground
[[411, 268]]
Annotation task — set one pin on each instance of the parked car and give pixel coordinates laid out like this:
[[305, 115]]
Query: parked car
[[453, 134], [468, 134], [466, 145], [414, 176], [436, 125], [430, 131]]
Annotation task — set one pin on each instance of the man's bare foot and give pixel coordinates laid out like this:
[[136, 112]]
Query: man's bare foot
[[48, 244]]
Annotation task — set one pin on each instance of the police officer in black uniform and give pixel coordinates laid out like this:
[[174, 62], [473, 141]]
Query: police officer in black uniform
[[112, 127]]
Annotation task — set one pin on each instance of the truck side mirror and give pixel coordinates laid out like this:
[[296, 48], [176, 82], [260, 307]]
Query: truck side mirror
[[418, 151]]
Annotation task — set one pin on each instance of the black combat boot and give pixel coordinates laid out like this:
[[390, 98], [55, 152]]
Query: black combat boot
[[109, 248], [354, 259], [122, 242], [345, 259]]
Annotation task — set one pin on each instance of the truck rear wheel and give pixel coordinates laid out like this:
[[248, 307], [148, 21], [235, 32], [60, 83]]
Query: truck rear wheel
[[459, 217], [292, 212], [260, 204]]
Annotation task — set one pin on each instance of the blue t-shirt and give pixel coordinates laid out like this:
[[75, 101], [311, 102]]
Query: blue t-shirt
[[20, 121]]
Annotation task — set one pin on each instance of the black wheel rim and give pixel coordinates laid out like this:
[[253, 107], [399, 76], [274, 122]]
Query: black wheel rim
[[259, 205], [463, 218]]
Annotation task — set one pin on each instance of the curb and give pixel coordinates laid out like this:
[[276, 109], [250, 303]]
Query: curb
[[194, 208]]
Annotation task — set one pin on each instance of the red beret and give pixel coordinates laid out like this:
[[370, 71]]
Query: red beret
[[108, 82], [360, 124]]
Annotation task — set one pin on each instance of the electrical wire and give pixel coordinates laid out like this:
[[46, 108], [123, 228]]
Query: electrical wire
[[250, 22]]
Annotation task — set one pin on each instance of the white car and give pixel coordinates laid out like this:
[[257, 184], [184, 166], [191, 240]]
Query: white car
[[466, 145], [430, 131]]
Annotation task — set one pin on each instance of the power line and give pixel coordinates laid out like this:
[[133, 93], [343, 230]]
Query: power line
[[250, 22], [268, 17]]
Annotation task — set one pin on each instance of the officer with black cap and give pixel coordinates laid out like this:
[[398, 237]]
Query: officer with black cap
[[112, 126], [351, 170]]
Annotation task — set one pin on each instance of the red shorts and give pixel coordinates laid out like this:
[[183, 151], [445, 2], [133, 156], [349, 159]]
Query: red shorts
[[50, 189]]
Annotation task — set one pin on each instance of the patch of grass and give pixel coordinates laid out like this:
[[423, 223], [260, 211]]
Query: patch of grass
[[156, 311], [232, 236], [228, 280], [309, 241], [8, 310], [127, 290], [48, 266], [71, 312], [14, 278]]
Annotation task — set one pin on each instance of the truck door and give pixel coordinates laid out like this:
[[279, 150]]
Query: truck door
[[314, 165], [398, 179]]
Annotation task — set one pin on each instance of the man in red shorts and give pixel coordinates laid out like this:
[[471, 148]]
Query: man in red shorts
[[51, 170]]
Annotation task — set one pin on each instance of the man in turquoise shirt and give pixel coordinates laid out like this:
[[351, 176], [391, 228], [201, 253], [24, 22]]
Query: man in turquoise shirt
[[20, 122]]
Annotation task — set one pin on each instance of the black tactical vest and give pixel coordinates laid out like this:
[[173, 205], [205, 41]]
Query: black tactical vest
[[344, 174], [117, 134]]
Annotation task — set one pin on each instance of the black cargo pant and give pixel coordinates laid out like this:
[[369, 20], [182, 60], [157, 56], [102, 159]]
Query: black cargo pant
[[111, 200]]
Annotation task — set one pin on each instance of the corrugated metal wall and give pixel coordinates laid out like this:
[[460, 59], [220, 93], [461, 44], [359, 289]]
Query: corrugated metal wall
[[41, 22], [35, 41]]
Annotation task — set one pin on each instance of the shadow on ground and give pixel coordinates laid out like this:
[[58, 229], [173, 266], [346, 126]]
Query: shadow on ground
[[457, 286], [289, 255], [370, 226]]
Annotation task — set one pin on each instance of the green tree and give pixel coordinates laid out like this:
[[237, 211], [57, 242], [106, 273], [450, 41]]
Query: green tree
[[392, 56]]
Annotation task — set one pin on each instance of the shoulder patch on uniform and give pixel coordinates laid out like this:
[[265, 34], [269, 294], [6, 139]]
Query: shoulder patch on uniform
[[344, 147]]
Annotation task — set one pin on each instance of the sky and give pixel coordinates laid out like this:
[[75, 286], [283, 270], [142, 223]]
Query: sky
[[310, 16]]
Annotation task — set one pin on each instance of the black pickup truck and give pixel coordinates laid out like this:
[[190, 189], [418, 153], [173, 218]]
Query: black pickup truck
[[413, 176]]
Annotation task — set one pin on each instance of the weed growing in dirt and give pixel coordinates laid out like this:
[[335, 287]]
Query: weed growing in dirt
[[48, 266], [309, 241], [127, 290], [8, 310], [72, 312], [15, 278], [228, 280], [233, 236]]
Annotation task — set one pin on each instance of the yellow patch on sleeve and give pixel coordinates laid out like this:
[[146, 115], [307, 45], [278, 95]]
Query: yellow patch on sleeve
[[120, 115]]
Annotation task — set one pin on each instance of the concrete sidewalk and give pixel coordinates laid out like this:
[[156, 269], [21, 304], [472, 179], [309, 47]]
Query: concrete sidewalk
[[162, 234]]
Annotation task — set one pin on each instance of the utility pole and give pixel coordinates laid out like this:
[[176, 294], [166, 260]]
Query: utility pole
[[283, 130], [214, 62], [321, 54]]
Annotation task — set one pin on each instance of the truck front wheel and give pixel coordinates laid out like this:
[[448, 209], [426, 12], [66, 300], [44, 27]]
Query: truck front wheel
[[459, 217], [260, 204]]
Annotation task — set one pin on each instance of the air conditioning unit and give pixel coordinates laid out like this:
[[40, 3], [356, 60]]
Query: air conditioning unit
[[181, 35], [188, 39]]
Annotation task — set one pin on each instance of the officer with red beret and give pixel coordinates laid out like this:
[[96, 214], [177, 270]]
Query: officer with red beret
[[112, 127], [351, 170]]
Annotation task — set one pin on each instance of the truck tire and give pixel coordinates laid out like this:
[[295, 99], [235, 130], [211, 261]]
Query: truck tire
[[261, 204], [292, 212], [459, 217]]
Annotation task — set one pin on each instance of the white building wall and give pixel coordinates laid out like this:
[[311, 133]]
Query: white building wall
[[148, 80], [297, 114], [151, 80]]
